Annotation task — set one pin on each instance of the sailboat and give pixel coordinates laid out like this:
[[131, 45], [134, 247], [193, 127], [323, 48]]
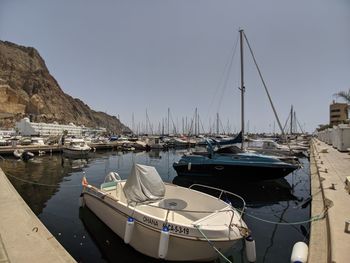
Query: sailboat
[[231, 163]]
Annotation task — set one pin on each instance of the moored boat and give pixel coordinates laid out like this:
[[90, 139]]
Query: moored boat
[[76, 147], [22, 154], [232, 164], [163, 220]]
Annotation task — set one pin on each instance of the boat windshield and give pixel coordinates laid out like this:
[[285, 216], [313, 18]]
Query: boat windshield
[[231, 149]]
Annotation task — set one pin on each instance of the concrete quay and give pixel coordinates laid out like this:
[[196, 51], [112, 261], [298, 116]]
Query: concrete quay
[[8, 150], [23, 238], [330, 235]]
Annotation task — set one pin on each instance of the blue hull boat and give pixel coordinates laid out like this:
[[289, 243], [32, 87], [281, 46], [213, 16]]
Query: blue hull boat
[[235, 166]]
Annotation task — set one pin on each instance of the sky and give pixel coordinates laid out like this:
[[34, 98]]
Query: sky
[[126, 57]]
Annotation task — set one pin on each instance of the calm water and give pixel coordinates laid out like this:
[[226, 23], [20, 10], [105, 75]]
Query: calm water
[[51, 186]]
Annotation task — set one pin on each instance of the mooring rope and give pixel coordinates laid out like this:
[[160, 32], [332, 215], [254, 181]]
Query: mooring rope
[[40, 184], [212, 245], [313, 218]]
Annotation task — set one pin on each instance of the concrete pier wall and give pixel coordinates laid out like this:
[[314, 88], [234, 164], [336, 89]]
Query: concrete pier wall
[[23, 238], [330, 234]]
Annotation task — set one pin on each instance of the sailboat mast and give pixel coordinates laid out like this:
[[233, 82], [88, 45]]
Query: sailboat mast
[[217, 123], [291, 120], [241, 32], [168, 121]]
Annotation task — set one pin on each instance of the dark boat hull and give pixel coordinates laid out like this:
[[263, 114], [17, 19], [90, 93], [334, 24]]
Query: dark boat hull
[[233, 172]]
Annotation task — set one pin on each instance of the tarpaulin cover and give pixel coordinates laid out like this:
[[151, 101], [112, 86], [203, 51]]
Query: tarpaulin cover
[[144, 184]]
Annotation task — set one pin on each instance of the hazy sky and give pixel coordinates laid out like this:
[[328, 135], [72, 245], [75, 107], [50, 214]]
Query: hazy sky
[[124, 57]]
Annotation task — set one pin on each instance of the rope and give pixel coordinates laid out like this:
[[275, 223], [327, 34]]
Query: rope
[[40, 184], [223, 80], [314, 218], [266, 90], [212, 245]]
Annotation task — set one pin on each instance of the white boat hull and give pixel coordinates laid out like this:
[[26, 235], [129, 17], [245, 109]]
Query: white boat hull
[[76, 152], [145, 238]]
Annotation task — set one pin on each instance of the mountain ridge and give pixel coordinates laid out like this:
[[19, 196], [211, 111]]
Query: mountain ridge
[[28, 89]]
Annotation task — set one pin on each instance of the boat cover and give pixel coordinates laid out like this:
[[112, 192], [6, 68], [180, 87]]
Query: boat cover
[[144, 184]]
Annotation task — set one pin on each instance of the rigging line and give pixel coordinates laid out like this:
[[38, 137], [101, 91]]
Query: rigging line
[[190, 131], [300, 126], [222, 126], [285, 125], [149, 122], [172, 121], [233, 51], [267, 92], [227, 76], [200, 121]]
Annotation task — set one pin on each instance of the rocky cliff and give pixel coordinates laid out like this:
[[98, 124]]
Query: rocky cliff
[[28, 88]]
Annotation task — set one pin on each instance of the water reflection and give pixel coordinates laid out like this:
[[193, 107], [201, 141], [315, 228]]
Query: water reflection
[[254, 193], [51, 186], [111, 246], [155, 154], [36, 180], [76, 164]]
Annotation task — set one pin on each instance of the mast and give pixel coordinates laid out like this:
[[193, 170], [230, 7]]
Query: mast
[[241, 32], [133, 123], [195, 121], [168, 121], [183, 125], [146, 122], [291, 120], [217, 123], [198, 130]]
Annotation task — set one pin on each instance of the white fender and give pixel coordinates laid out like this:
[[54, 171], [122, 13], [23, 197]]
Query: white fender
[[299, 253], [250, 250], [163, 242], [189, 166], [129, 228]]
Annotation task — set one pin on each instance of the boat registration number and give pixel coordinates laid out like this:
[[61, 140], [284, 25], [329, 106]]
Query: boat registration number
[[177, 229]]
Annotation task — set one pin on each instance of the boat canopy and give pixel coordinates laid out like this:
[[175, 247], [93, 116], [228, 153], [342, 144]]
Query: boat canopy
[[237, 139], [144, 184]]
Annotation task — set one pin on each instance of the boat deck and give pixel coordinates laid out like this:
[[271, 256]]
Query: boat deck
[[178, 207]]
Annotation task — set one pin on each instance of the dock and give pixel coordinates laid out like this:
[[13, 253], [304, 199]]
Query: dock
[[23, 238], [330, 229], [8, 150]]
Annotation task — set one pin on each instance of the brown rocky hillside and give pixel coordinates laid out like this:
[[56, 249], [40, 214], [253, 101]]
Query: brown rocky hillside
[[28, 88]]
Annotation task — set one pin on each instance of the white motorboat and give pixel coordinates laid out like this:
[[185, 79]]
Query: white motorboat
[[155, 143], [38, 141], [163, 220], [22, 154], [76, 147]]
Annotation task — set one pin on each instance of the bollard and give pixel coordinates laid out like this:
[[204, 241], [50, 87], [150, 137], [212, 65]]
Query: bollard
[[347, 223]]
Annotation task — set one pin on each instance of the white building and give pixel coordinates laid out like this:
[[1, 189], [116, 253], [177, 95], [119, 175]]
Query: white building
[[7, 133], [27, 128]]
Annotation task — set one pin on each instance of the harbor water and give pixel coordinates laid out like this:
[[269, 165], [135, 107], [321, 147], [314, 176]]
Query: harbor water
[[278, 212]]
